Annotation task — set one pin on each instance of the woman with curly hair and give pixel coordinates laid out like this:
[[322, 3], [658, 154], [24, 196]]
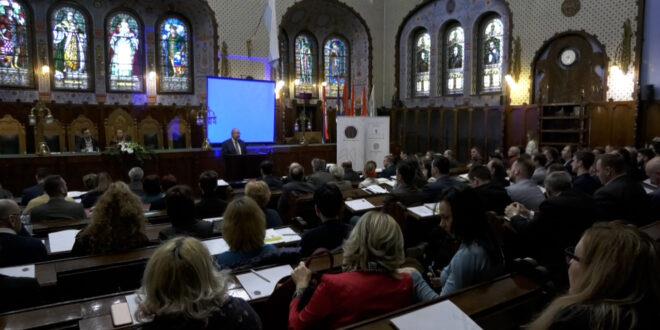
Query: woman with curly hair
[[117, 224]]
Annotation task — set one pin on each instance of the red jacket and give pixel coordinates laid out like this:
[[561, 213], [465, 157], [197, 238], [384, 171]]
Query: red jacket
[[346, 298]]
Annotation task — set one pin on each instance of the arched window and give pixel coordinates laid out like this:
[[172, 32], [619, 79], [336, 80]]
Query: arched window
[[421, 63], [125, 62], [305, 63], [490, 47], [174, 56], [70, 51], [335, 56], [454, 60], [15, 56]]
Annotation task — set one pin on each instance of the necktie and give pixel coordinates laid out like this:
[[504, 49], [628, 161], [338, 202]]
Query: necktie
[[237, 147]]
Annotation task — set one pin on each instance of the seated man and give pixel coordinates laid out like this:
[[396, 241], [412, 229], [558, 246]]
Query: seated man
[[320, 175], [120, 137], [389, 167], [540, 171], [87, 143], [266, 168], [211, 205], [166, 182], [349, 173], [338, 175], [581, 166], [15, 248], [440, 168], [331, 233], [181, 212], [493, 196], [523, 190], [405, 190], [57, 207], [295, 187], [135, 175], [36, 190]]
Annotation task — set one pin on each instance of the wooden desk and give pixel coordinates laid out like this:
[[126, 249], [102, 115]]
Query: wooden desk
[[653, 230], [377, 201]]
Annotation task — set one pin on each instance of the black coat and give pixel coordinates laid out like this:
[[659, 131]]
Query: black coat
[[228, 147], [623, 199], [31, 193], [494, 197], [586, 183], [20, 250], [329, 235], [58, 209]]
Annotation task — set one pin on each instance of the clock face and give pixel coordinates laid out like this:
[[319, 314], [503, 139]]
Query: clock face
[[568, 57]]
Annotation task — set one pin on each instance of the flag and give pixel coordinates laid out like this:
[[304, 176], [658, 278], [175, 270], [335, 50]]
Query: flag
[[345, 106], [326, 133], [352, 102], [372, 103], [270, 20], [365, 107]]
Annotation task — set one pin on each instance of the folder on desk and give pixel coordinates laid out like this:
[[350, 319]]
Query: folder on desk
[[421, 211], [360, 205], [375, 189], [281, 235], [257, 286], [443, 315], [222, 183], [19, 271], [62, 241]]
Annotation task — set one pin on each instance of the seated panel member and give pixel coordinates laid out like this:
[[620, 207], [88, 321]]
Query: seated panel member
[[87, 143], [234, 145]]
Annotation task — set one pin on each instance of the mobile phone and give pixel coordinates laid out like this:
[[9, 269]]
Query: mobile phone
[[121, 315]]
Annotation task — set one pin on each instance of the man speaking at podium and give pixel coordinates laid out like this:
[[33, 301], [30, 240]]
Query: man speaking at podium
[[234, 146]]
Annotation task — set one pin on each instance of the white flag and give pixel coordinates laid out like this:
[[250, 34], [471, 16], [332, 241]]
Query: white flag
[[372, 103], [270, 20]]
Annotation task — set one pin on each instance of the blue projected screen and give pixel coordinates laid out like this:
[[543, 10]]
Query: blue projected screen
[[248, 105]]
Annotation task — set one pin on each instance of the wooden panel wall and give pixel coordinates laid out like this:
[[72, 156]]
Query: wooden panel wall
[[649, 121], [612, 123]]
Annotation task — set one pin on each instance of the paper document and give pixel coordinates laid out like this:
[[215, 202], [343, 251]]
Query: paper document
[[239, 293], [375, 189], [222, 183], [216, 246], [281, 235], [648, 190], [421, 211], [62, 241], [464, 177], [431, 206], [542, 189], [213, 219], [443, 315], [75, 194], [133, 301], [359, 205], [258, 287], [18, 271]]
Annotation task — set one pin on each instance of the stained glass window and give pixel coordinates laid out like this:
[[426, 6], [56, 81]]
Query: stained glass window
[[454, 60], [175, 58], [335, 55], [125, 59], [491, 55], [304, 50], [15, 60], [70, 51], [422, 63]]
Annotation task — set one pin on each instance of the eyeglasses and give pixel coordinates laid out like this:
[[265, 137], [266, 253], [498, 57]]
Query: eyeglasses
[[570, 255]]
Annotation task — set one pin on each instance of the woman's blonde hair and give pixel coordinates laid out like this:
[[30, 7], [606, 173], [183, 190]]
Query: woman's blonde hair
[[181, 279], [258, 191], [375, 244], [244, 225], [117, 220], [620, 273]]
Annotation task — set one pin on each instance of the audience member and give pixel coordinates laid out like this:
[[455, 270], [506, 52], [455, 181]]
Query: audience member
[[389, 167], [405, 190], [16, 245], [259, 192], [319, 175], [135, 176], [523, 190], [18, 293], [90, 181], [613, 275], [117, 224], [5, 194], [328, 202], [37, 190], [152, 190], [621, 197], [653, 172], [57, 207], [532, 147], [560, 221], [498, 173], [494, 197], [244, 230], [338, 175], [349, 173], [512, 155], [443, 180], [449, 154], [552, 154], [567, 157], [479, 257], [166, 182], [103, 182], [266, 168], [181, 212], [181, 289], [539, 168], [210, 205], [292, 189], [475, 157], [371, 284], [584, 182], [369, 175]]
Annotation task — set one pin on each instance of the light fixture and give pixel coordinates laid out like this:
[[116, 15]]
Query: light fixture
[[152, 75], [45, 70], [296, 82], [324, 84], [38, 114]]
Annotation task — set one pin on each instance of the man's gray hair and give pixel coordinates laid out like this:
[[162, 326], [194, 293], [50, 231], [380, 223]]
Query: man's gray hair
[[136, 174], [557, 182], [318, 165], [337, 171]]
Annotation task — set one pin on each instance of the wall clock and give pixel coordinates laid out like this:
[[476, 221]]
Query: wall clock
[[568, 56]]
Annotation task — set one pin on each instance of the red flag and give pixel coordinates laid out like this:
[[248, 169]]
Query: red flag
[[365, 106], [325, 117], [353, 101], [345, 104]]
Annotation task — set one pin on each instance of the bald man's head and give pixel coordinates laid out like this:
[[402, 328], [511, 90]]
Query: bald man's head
[[235, 134], [653, 170], [10, 214]]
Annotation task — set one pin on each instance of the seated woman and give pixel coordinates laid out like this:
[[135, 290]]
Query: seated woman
[[260, 193], [372, 283], [89, 199], [117, 224], [244, 229], [479, 257], [370, 175], [181, 212], [613, 275], [181, 289]]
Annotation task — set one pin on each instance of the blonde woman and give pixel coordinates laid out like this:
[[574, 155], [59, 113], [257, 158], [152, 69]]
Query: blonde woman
[[372, 282], [181, 289], [260, 193], [613, 275], [117, 224], [244, 230]]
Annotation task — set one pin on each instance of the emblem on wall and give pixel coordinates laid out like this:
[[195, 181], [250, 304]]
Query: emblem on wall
[[570, 8]]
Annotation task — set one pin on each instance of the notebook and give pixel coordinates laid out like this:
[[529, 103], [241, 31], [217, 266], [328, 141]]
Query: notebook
[[375, 189], [281, 235], [443, 315], [62, 241], [258, 287], [360, 205], [421, 211], [19, 271]]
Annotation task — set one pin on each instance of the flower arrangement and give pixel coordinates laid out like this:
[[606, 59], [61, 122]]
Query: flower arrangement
[[131, 149]]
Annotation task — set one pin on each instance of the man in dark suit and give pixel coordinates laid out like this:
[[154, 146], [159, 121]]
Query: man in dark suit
[[331, 233], [559, 223], [36, 190], [16, 246], [320, 175], [349, 173], [234, 145], [493, 196], [621, 197], [57, 207], [87, 143], [405, 190], [295, 187], [181, 212], [210, 205], [584, 181], [266, 167], [443, 180], [389, 167], [653, 172], [567, 156]]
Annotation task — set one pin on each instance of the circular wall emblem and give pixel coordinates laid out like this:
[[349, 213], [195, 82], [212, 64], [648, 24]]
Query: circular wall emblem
[[570, 8], [376, 146], [350, 132]]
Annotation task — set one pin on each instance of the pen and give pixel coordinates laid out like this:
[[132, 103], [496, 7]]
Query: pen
[[259, 275]]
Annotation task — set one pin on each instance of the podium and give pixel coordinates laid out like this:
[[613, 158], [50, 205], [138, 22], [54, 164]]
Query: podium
[[238, 167]]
